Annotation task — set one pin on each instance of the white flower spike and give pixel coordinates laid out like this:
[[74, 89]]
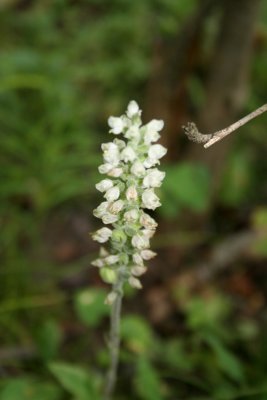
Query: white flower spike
[[129, 163]]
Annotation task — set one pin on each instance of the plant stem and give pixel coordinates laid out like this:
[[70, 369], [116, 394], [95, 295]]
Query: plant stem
[[193, 133], [114, 339], [226, 131]]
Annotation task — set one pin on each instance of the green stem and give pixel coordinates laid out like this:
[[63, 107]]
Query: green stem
[[114, 339]]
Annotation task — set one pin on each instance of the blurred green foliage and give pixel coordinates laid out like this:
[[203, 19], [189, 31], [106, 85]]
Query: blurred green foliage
[[65, 67]]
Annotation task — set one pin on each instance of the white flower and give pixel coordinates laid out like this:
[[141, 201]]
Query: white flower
[[98, 263], [112, 259], [156, 151], [150, 199], [102, 235], [148, 254], [150, 162], [138, 270], [151, 131], [155, 125], [131, 215], [128, 154], [147, 221], [117, 124], [104, 185], [103, 252], [131, 194], [101, 209], [133, 133], [138, 169], [120, 143], [138, 259], [111, 153], [149, 233], [134, 282], [116, 207], [112, 194], [105, 168], [150, 137], [109, 218], [132, 109], [153, 178], [115, 172], [140, 241]]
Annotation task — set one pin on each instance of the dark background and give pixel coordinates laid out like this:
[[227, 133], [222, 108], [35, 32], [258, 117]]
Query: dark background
[[197, 330]]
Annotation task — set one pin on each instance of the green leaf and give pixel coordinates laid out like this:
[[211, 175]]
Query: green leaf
[[206, 313], [237, 178], [137, 334], [49, 338], [75, 380], [227, 361], [186, 186], [90, 307], [147, 381], [176, 356], [29, 389]]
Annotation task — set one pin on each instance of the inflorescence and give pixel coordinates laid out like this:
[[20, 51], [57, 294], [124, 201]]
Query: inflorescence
[[130, 165]]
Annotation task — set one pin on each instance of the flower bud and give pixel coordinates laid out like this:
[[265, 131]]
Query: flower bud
[[102, 235], [112, 193], [132, 109], [131, 194], [124, 259], [147, 221], [112, 259], [118, 236], [108, 275], [111, 153], [103, 252], [149, 233], [133, 133], [116, 207], [104, 185], [137, 259], [120, 143], [131, 216], [148, 254], [115, 172], [101, 209], [153, 178], [105, 168], [150, 199], [128, 154], [108, 218], [132, 229], [138, 169], [138, 270], [140, 241], [134, 282], [98, 263]]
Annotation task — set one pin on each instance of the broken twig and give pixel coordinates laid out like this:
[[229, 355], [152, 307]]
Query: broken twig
[[193, 133]]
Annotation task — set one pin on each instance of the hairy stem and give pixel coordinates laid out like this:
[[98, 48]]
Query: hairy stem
[[114, 339]]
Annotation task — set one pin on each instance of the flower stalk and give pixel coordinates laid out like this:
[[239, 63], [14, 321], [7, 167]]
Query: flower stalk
[[114, 339], [130, 163]]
